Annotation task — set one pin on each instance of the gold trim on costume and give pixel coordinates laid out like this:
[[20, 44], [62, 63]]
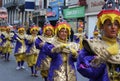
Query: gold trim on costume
[[45, 65], [65, 73], [99, 47]]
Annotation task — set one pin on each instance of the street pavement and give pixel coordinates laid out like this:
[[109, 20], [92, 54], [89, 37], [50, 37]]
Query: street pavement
[[8, 72]]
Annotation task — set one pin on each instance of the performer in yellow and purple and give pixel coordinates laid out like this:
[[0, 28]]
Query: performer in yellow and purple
[[31, 51], [95, 34], [78, 37], [43, 61], [20, 47], [2, 31], [63, 54], [99, 60], [3, 19], [7, 37], [3, 40]]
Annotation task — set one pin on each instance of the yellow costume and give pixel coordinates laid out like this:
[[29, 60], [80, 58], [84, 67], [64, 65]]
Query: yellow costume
[[43, 61], [20, 47], [62, 52], [31, 51]]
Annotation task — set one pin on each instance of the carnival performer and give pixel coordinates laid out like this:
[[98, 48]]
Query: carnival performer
[[63, 54], [43, 61], [3, 30], [20, 47], [100, 59], [8, 42], [78, 37], [31, 51], [3, 18], [95, 35]]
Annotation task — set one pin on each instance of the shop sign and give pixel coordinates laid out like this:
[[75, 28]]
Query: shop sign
[[29, 5], [72, 2], [52, 13], [56, 3], [74, 12]]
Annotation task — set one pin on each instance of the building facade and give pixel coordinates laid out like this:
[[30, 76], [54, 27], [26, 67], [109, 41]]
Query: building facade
[[20, 11], [91, 11], [15, 9], [40, 12], [74, 11]]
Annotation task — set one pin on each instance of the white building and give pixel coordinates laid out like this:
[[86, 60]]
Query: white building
[[20, 10]]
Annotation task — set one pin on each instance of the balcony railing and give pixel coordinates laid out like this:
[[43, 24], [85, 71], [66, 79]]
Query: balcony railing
[[14, 3]]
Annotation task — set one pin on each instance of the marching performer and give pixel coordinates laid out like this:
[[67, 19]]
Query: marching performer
[[3, 31], [63, 54], [100, 59], [43, 61], [3, 18], [31, 51], [20, 47], [95, 35], [8, 42], [78, 37]]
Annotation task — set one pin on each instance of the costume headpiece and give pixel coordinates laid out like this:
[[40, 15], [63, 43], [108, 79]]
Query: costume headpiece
[[110, 11], [4, 25], [47, 26], [8, 27], [20, 28], [62, 24], [32, 26], [80, 28], [96, 32], [2, 28]]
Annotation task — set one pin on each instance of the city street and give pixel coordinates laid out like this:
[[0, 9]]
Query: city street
[[59, 29], [8, 72]]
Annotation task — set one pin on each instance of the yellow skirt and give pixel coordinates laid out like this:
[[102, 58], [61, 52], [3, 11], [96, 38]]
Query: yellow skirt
[[20, 57], [3, 50], [31, 59], [7, 50]]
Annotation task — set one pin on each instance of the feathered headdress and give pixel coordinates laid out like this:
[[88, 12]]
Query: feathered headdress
[[96, 32], [62, 24], [20, 28], [110, 11], [47, 26], [33, 27]]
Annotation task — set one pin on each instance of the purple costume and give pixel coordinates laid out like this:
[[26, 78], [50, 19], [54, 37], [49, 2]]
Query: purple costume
[[62, 65], [93, 73]]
